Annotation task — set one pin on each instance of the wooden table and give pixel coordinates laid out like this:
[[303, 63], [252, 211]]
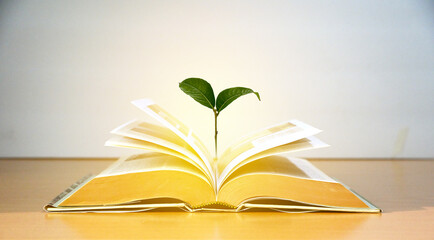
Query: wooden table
[[404, 189]]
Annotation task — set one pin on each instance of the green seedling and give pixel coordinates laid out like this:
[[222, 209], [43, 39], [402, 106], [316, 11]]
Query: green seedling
[[201, 91]]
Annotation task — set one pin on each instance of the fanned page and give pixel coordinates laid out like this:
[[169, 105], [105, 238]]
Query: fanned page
[[267, 139], [299, 145], [178, 128], [143, 135]]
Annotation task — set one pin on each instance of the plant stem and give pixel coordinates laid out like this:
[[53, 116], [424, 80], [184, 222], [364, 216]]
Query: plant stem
[[215, 131]]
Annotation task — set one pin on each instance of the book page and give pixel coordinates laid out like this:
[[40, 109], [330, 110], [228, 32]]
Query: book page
[[280, 165], [126, 142], [177, 127], [292, 179], [153, 134], [263, 140], [141, 177], [299, 145], [148, 162]]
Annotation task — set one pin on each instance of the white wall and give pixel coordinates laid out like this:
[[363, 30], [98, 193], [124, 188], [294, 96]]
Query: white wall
[[360, 70]]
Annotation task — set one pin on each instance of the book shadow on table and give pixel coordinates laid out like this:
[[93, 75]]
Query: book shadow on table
[[206, 225]]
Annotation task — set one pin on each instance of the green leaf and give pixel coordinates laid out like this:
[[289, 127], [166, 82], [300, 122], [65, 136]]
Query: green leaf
[[229, 95], [200, 90]]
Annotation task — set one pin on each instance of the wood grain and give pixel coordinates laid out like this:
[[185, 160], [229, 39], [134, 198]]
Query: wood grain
[[403, 189]]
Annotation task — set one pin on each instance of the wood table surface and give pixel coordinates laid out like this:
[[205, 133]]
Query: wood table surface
[[403, 189]]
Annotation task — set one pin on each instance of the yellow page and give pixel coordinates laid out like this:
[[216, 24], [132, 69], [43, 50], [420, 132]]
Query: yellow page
[[151, 161], [141, 177], [263, 140], [282, 178], [126, 142], [159, 135], [169, 121], [299, 145]]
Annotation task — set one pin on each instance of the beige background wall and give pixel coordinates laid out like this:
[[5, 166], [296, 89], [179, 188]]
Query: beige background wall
[[363, 71]]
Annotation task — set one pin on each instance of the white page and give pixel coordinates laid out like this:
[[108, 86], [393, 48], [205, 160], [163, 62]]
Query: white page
[[148, 162], [159, 135], [286, 135], [307, 143], [125, 142], [169, 121], [313, 172]]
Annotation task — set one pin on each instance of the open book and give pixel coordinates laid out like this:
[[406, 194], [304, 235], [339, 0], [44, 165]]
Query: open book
[[177, 171]]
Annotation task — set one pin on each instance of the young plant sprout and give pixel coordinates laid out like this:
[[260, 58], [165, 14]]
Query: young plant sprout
[[201, 91]]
